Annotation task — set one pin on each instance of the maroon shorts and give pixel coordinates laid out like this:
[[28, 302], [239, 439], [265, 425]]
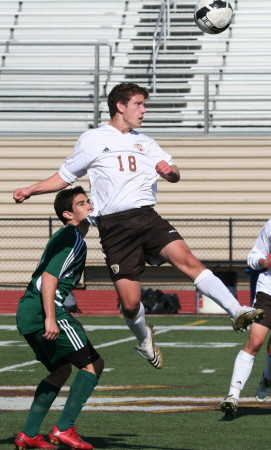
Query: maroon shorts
[[263, 301], [130, 238]]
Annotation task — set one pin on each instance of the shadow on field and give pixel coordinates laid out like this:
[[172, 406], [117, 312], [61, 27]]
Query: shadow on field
[[8, 441], [121, 441], [112, 441], [248, 411]]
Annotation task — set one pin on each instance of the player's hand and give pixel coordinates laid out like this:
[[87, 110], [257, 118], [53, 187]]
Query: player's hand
[[268, 263], [51, 330], [265, 263], [163, 168], [170, 173], [21, 194]]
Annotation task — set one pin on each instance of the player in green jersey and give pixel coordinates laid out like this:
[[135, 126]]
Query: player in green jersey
[[56, 337]]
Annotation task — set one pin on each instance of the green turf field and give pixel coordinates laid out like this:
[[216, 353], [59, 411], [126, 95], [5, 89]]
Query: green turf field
[[138, 407]]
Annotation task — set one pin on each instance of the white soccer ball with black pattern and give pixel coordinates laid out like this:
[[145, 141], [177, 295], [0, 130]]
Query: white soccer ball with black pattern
[[213, 17]]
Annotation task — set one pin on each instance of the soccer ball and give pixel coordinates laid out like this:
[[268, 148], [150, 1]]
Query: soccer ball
[[213, 17]]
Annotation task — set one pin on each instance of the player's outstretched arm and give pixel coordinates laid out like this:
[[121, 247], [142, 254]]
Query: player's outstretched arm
[[170, 173], [51, 184]]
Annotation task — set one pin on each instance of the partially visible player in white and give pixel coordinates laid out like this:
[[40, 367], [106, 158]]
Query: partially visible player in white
[[258, 259], [123, 167]]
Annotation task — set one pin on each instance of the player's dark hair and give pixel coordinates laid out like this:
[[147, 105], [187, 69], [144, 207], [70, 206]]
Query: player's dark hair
[[123, 92], [64, 200]]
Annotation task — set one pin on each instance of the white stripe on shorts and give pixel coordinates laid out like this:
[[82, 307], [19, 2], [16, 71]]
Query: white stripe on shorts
[[71, 334]]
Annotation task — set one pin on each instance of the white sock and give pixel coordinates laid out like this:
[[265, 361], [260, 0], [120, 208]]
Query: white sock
[[241, 372], [267, 368], [137, 325], [212, 287]]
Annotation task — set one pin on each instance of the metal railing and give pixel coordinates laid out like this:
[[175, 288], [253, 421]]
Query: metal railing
[[199, 110], [161, 33], [95, 73], [214, 98]]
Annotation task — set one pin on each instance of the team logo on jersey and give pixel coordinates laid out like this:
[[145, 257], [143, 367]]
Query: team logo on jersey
[[139, 147], [115, 268], [106, 149]]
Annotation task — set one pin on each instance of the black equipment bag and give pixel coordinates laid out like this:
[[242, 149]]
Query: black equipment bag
[[158, 302]]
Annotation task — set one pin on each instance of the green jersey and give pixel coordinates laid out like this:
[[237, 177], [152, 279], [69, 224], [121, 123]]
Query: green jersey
[[64, 257]]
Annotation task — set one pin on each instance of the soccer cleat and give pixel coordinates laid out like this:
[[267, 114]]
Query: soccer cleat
[[150, 350], [69, 437], [263, 390], [229, 405], [22, 441], [245, 316]]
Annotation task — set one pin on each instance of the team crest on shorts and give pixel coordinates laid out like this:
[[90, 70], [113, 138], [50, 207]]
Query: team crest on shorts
[[115, 268]]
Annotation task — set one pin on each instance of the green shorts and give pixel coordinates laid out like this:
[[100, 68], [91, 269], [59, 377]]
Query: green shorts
[[71, 346]]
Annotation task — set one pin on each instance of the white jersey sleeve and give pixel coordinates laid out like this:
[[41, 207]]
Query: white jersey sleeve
[[75, 166], [262, 246], [262, 249]]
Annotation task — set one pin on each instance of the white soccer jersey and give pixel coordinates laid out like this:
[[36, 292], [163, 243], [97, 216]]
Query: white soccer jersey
[[121, 168], [262, 249]]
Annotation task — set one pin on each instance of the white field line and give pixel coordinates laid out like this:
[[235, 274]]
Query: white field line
[[120, 341], [106, 344], [157, 327], [210, 345], [103, 387], [128, 403], [18, 366], [158, 330]]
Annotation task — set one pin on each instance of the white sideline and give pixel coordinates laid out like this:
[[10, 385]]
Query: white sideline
[[158, 330], [156, 327], [105, 344], [153, 404]]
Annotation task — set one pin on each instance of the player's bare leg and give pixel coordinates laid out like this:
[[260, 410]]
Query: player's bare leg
[[129, 292], [180, 256], [243, 366]]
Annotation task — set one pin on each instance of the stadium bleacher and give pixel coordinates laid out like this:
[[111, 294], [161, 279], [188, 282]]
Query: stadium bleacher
[[48, 60]]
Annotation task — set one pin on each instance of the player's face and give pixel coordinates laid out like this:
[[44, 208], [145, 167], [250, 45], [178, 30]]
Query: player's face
[[133, 112], [81, 207]]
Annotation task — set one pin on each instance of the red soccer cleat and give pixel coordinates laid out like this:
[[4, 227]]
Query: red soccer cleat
[[22, 441], [69, 437]]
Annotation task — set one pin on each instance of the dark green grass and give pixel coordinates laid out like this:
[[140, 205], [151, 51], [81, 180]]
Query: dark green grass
[[181, 376]]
